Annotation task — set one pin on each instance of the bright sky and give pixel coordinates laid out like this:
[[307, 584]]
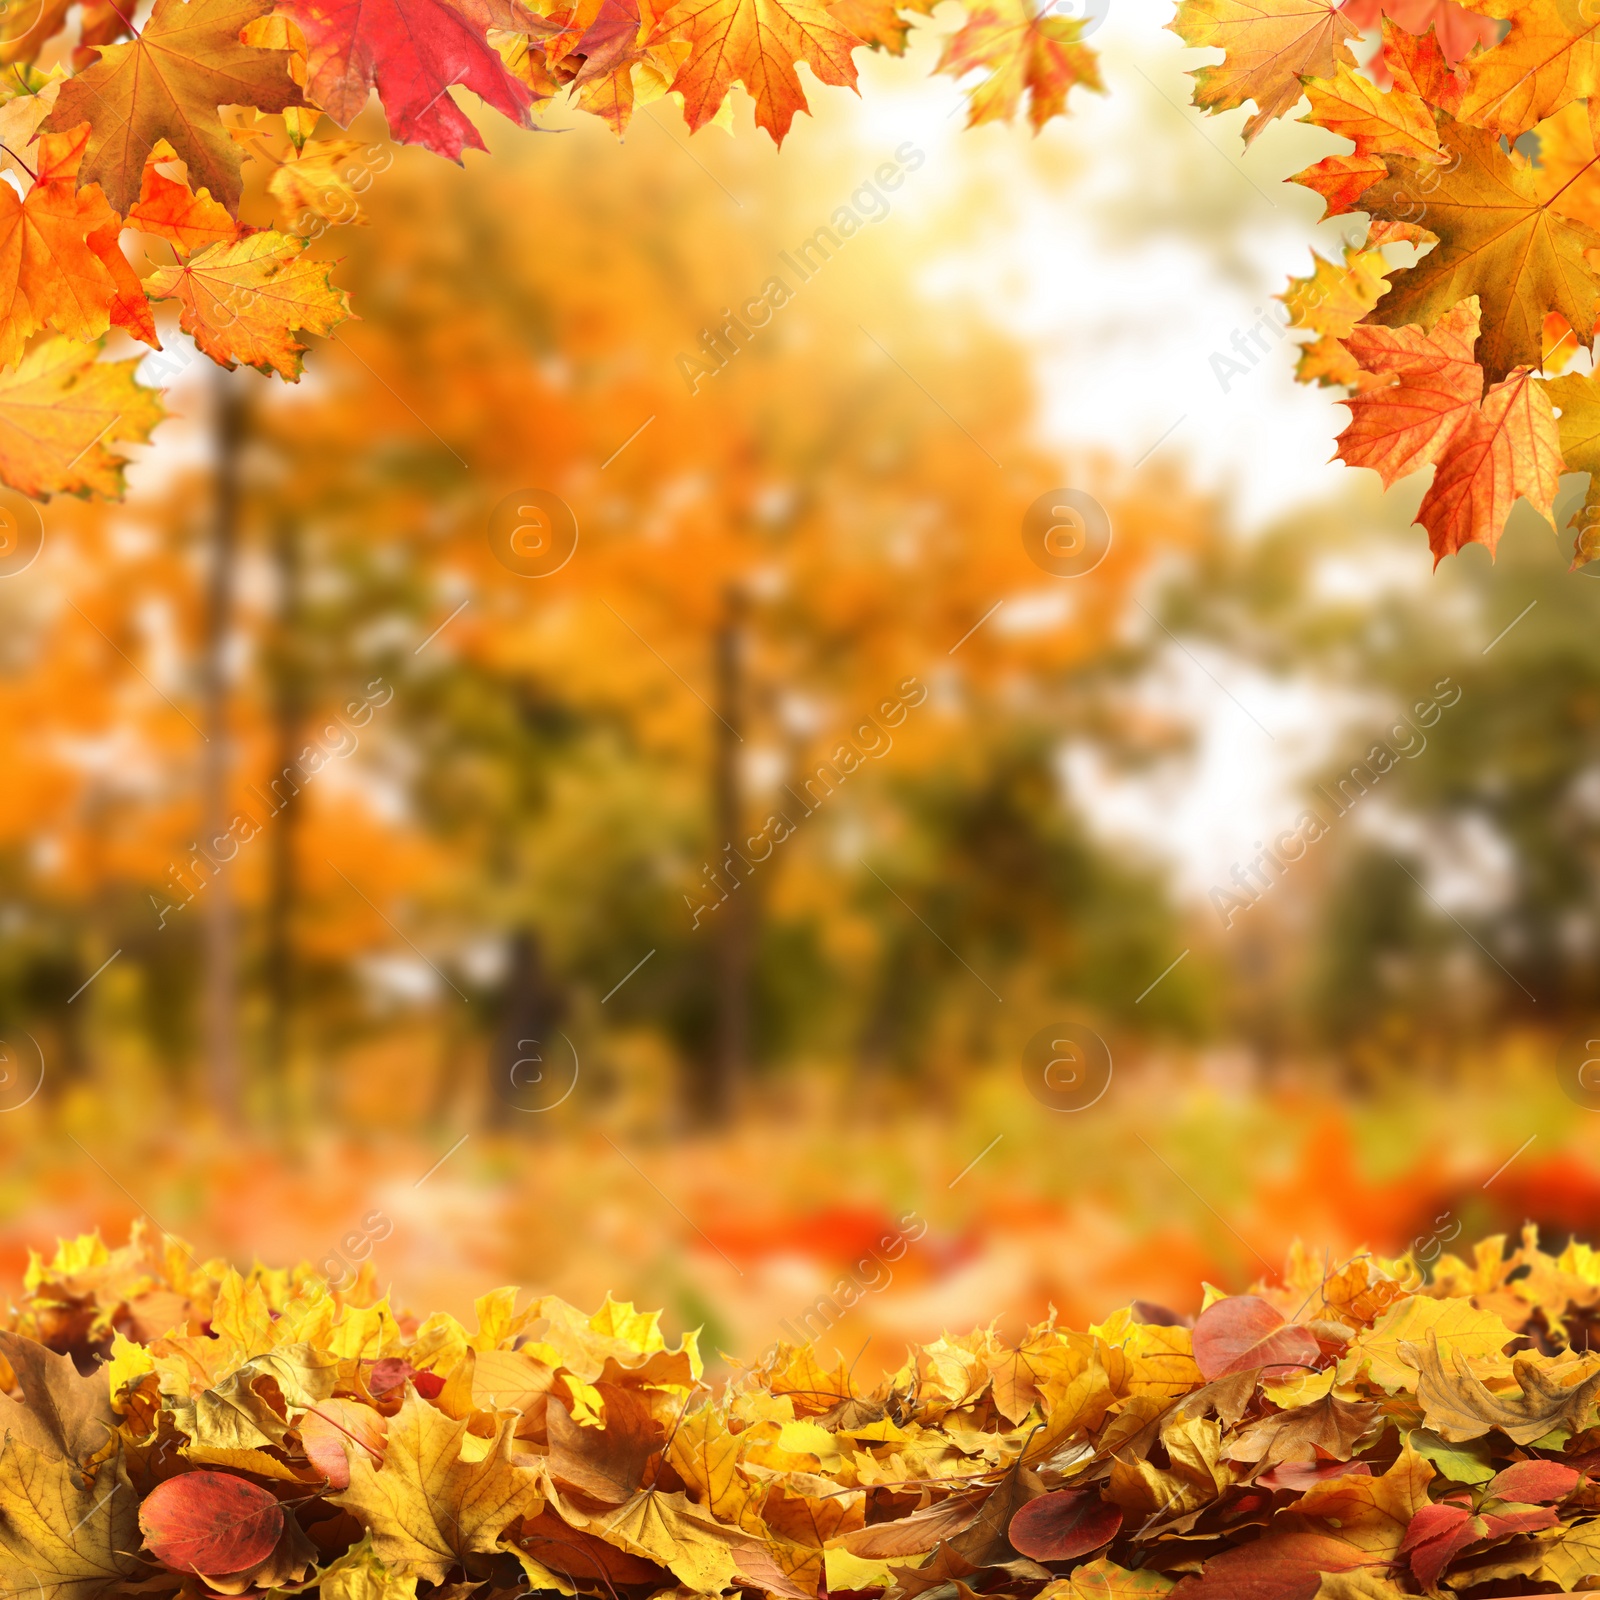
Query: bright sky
[[1125, 247]]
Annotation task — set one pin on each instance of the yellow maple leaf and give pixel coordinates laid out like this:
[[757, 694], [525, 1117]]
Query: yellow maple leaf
[[359, 1575], [1480, 1336], [62, 414], [64, 1540], [428, 1506], [1330, 303], [242, 299]]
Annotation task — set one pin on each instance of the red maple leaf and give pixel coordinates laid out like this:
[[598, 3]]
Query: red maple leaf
[[413, 52]]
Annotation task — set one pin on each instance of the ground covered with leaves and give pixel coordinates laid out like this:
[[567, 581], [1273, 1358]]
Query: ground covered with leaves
[[1349, 1432]]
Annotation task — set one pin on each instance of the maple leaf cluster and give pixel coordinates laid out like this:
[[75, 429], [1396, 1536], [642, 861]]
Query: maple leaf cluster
[[1348, 1433], [1476, 276], [139, 155]]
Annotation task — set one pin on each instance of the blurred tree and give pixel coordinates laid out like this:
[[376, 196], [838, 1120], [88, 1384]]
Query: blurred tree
[[1458, 890], [800, 592]]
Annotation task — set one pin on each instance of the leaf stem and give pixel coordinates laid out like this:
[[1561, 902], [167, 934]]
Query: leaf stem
[[20, 162]]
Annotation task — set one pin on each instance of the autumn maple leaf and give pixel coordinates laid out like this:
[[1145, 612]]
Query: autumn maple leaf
[[880, 23], [1488, 448], [1022, 49], [413, 52], [242, 298], [438, 1497], [1330, 303], [173, 211], [1547, 59], [1498, 240], [1269, 47], [1457, 30], [1431, 385], [70, 1540], [50, 274], [62, 413], [1397, 122], [757, 43], [167, 83], [1577, 398]]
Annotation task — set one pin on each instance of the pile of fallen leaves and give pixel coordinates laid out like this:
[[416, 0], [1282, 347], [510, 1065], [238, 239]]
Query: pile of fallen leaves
[[1350, 1433]]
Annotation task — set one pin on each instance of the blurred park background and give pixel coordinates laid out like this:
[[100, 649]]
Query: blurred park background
[[363, 898]]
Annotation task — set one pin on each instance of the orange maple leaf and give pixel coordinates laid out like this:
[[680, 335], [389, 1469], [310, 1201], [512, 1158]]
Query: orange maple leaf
[[1268, 47], [173, 211], [1488, 449], [883, 24], [1498, 239], [756, 43], [1432, 385], [51, 275], [1022, 50], [1543, 63]]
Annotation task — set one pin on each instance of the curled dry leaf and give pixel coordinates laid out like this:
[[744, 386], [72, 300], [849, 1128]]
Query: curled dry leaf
[[1457, 1405]]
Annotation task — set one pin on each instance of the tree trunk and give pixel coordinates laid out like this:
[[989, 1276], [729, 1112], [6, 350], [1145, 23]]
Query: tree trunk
[[529, 1071], [734, 923], [230, 423], [288, 711]]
